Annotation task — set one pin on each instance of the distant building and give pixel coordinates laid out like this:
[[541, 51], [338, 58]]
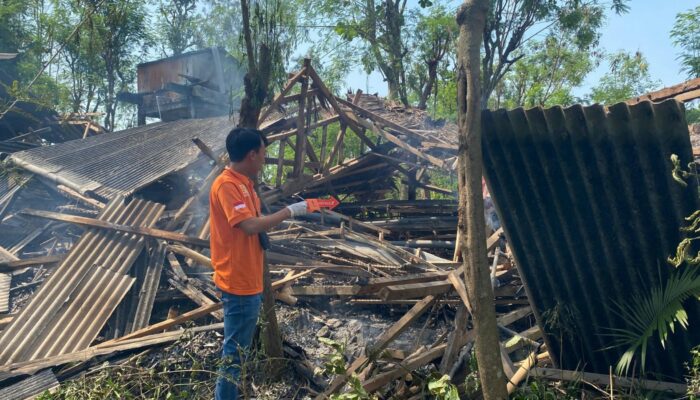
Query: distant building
[[198, 84]]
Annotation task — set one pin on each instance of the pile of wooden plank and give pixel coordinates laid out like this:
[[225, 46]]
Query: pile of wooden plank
[[97, 263], [132, 261]]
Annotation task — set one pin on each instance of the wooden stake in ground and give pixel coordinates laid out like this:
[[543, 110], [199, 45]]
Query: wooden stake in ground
[[471, 18]]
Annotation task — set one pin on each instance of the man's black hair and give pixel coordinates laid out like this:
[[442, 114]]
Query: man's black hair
[[240, 141]]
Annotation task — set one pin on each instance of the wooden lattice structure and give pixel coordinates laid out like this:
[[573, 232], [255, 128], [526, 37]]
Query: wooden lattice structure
[[305, 113]]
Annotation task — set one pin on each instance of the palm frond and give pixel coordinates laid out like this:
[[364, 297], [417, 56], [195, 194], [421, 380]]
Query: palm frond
[[658, 312]]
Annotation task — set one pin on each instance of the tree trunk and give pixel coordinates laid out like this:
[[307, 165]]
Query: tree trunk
[[256, 83], [471, 18], [257, 78], [432, 77], [272, 340]]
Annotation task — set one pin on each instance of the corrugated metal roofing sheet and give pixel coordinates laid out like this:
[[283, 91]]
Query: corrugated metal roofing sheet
[[591, 212], [72, 306], [149, 288], [5, 280], [122, 162], [10, 183], [9, 147], [30, 387]]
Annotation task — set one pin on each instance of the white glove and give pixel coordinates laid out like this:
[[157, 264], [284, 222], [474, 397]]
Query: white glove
[[298, 209]]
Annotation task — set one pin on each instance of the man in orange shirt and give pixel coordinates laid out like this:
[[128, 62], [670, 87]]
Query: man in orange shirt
[[236, 251]]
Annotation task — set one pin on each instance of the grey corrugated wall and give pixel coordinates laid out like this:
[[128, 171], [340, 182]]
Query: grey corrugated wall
[[591, 211]]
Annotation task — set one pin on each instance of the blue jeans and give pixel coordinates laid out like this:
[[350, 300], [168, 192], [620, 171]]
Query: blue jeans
[[240, 319]]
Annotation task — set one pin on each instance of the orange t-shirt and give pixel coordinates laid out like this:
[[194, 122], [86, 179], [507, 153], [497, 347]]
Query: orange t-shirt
[[237, 258]]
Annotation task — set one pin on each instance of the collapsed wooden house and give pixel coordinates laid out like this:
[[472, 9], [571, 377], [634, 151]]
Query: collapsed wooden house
[[124, 225]]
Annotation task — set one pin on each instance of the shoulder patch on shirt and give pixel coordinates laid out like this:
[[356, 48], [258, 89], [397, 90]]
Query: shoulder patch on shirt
[[239, 205]]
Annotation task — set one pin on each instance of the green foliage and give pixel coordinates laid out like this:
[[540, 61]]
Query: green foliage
[[545, 76], [122, 25], [511, 24], [374, 32], [98, 58], [433, 40], [472, 383], [692, 114], [542, 390], [443, 103], [273, 23], [179, 375], [355, 392], [13, 33], [693, 377], [442, 389], [658, 312], [680, 175], [178, 26], [335, 364], [628, 77], [27, 28], [686, 35]]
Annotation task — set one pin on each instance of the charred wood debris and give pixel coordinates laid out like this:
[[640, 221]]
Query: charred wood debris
[[91, 276]]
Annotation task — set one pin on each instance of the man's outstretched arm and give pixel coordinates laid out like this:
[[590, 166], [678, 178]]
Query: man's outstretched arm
[[255, 225]]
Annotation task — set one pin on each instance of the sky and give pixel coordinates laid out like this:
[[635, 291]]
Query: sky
[[644, 28]]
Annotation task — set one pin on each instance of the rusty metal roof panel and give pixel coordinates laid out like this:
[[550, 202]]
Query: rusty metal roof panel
[[591, 212], [122, 162], [74, 303]]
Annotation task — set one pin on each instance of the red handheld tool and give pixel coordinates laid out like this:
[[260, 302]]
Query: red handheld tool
[[317, 204]]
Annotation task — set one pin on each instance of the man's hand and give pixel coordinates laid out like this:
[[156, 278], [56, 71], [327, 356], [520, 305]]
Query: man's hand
[[298, 209]]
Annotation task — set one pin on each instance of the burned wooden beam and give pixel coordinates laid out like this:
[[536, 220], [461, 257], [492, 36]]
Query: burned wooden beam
[[414, 290], [381, 120], [411, 364], [291, 278], [511, 317], [196, 296], [376, 284], [137, 230], [9, 266], [189, 253], [325, 290], [280, 96], [168, 323], [5, 320], [685, 91]]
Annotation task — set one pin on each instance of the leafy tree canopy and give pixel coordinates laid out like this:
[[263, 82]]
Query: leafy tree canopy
[[686, 35], [628, 77]]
